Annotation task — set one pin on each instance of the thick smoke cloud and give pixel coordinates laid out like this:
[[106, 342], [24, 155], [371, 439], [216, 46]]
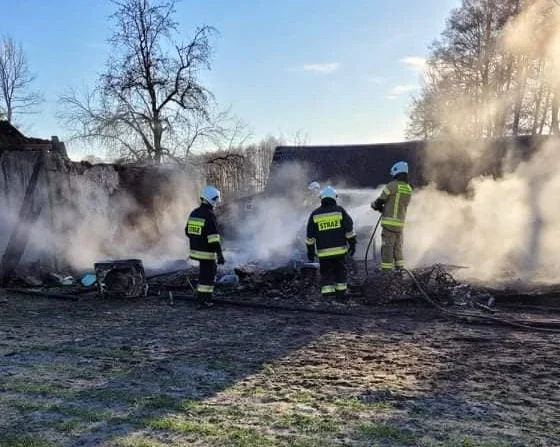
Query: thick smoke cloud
[[507, 228]]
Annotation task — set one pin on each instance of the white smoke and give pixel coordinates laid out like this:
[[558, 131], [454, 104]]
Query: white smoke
[[506, 228], [89, 216], [271, 228]]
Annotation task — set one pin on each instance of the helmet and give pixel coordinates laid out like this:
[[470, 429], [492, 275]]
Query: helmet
[[400, 167], [314, 186], [329, 193], [211, 195]]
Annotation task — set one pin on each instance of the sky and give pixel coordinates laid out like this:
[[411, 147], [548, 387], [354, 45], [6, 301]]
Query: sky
[[333, 71]]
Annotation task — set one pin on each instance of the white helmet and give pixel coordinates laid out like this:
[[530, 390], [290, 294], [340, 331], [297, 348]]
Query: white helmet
[[400, 167], [329, 193], [314, 186], [211, 195]]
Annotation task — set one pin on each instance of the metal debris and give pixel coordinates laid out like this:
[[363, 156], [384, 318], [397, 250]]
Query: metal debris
[[122, 278]]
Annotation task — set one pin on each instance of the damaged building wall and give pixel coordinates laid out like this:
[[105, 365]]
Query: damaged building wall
[[91, 212]]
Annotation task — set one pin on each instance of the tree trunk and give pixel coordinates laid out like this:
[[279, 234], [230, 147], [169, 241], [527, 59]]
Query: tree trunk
[[157, 130], [537, 111], [520, 93], [545, 112], [554, 128]]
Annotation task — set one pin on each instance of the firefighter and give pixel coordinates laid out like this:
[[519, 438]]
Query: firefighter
[[313, 191], [330, 236], [393, 203], [205, 243]]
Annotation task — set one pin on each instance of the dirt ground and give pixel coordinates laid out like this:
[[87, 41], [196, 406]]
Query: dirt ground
[[147, 373]]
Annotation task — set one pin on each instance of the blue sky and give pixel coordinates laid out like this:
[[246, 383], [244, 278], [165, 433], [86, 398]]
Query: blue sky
[[338, 71]]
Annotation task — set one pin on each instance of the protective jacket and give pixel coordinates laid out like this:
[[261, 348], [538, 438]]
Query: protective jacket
[[202, 231], [394, 200], [331, 230]]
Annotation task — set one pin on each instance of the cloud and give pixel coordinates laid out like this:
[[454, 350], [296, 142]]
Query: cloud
[[415, 63], [322, 68], [375, 79], [400, 89], [391, 97]]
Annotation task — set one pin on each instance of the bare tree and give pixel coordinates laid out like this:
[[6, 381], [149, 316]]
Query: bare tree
[[493, 72], [16, 95], [239, 170], [149, 104]]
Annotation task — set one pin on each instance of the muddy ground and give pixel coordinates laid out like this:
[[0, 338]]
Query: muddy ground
[[147, 373]]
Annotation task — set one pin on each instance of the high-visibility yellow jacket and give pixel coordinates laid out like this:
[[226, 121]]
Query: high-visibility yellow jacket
[[202, 230], [395, 197]]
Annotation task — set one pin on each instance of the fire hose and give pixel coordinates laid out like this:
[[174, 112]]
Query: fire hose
[[468, 316], [371, 241], [471, 316]]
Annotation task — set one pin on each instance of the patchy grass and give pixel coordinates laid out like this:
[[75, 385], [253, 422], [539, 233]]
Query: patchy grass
[[38, 389], [309, 423], [26, 441], [468, 442], [385, 432], [242, 378], [135, 441], [84, 414], [67, 426], [161, 402], [29, 406], [219, 434], [244, 437], [180, 425]]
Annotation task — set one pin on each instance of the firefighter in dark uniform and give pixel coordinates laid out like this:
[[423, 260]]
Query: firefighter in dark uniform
[[330, 237], [205, 243]]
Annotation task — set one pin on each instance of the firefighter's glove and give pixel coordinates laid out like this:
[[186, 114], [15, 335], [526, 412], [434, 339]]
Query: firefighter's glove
[[378, 205], [310, 254], [352, 249], [221, 260]]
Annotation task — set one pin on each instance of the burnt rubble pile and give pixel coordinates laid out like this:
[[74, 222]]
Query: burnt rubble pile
[[435, 281], [287, 282], [445, 289], [300, 281], [294, 283], [36, 274]]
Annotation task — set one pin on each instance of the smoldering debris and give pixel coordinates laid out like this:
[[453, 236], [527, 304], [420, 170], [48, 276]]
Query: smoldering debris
[[124, 278], [295, 287], [298, 283]]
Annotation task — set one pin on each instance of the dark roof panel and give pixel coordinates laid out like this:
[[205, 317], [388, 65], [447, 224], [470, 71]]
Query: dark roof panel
[[352, 166], [367, 165], [10, 137], [13, 139]]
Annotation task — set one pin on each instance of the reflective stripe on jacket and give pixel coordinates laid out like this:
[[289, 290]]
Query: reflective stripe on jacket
[[396, 196], [329, 229], [202, 230]]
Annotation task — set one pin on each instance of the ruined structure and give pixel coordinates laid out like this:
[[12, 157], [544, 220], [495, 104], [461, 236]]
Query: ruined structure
[[12, 139], [79, 212]]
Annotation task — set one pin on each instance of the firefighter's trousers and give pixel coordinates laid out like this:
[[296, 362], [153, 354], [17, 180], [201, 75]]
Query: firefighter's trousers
[[333, 276], [206, 277], [391, 250]]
